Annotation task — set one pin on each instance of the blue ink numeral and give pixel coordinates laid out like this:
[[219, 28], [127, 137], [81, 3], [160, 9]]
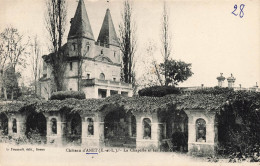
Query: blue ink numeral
[[241, 14], [235, 7]]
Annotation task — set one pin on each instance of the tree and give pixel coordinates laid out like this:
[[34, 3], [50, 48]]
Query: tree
[[177, 71], [152, 75], [35, 61], [13, 50], [127, 40], [166, 40], [10, 82], [55, 24]]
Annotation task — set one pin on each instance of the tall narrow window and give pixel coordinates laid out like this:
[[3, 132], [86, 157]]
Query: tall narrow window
[[200, 130], [54, 126], [101, 51], [147, 128], [88, 76], [90, 126], [14, 128], [87, 48], [71, 66]]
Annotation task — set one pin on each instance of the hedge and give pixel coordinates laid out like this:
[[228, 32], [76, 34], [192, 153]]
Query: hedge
[[158, 91], [61, 95]]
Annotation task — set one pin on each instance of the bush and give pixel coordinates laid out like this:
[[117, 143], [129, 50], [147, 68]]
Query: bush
[[61, 95], [215, 90], [158, 91]]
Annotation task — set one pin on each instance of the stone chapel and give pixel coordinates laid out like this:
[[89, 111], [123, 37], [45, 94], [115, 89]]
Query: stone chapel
[[101, 64]]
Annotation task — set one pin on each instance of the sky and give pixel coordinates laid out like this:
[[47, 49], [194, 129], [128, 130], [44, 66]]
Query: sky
[[204, 33]]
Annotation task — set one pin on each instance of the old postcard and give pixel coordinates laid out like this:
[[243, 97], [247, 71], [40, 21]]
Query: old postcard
[[129, 82]]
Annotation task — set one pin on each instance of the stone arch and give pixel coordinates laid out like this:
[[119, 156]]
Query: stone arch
[[174, 127], [74, 128], [3, 124], [147, 128], [201, 130], [119, 126], [36, 127]]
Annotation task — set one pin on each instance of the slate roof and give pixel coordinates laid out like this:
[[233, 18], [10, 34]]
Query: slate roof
[[107, 33], [80, 25]]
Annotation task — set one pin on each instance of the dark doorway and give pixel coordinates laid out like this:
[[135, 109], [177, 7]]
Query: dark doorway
[[36, 127], [74, 127], [3, 124], [120, 129]]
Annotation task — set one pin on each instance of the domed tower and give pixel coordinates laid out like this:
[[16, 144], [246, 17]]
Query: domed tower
[[231, 80], [221, 79]]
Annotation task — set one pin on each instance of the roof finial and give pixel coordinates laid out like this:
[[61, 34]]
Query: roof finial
[[108, 4]]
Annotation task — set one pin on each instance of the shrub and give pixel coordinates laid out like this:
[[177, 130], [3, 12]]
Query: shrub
[[61, 95], [158, 91]]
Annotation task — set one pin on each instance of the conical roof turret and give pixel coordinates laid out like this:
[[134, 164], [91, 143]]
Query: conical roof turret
[[107, 33], [80, 25]]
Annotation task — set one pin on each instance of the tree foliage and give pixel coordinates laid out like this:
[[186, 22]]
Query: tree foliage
[[175, 71], [55, 19], [127, 30], [13, 52]]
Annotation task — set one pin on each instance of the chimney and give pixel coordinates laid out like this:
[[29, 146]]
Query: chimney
[[220, 79], [231, 80]]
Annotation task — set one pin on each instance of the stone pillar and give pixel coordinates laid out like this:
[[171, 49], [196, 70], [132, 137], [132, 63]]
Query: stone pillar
[[153, 142], [108, 92], [95, 95], [55, 138], [20, 124], [201, 148], [139, 131]]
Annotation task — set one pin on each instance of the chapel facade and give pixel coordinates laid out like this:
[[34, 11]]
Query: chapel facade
[[98, 74]]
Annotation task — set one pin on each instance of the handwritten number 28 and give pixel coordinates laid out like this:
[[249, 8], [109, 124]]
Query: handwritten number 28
[[241, 14]]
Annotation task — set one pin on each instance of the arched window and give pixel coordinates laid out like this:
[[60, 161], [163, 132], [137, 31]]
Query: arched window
[[147, 128], [90, 126], [14, 128], [200, 130], [102, 76], [54, 126]]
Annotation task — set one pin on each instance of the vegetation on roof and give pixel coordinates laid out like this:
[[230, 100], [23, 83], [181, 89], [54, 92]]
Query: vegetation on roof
[[194, 100]]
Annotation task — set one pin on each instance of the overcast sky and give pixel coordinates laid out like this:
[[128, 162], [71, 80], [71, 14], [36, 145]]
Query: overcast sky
[[204, 33]]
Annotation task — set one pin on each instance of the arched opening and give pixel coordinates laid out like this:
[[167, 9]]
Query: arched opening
[[3, 124], [36, 127], [14, 126], [200, 130], [147, 128], [90, 126], [53, 126], [74, 128], [102, 76], [174, 130], [120, 129]]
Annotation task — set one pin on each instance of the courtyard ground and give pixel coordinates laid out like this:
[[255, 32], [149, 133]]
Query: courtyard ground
[[41, 155]]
